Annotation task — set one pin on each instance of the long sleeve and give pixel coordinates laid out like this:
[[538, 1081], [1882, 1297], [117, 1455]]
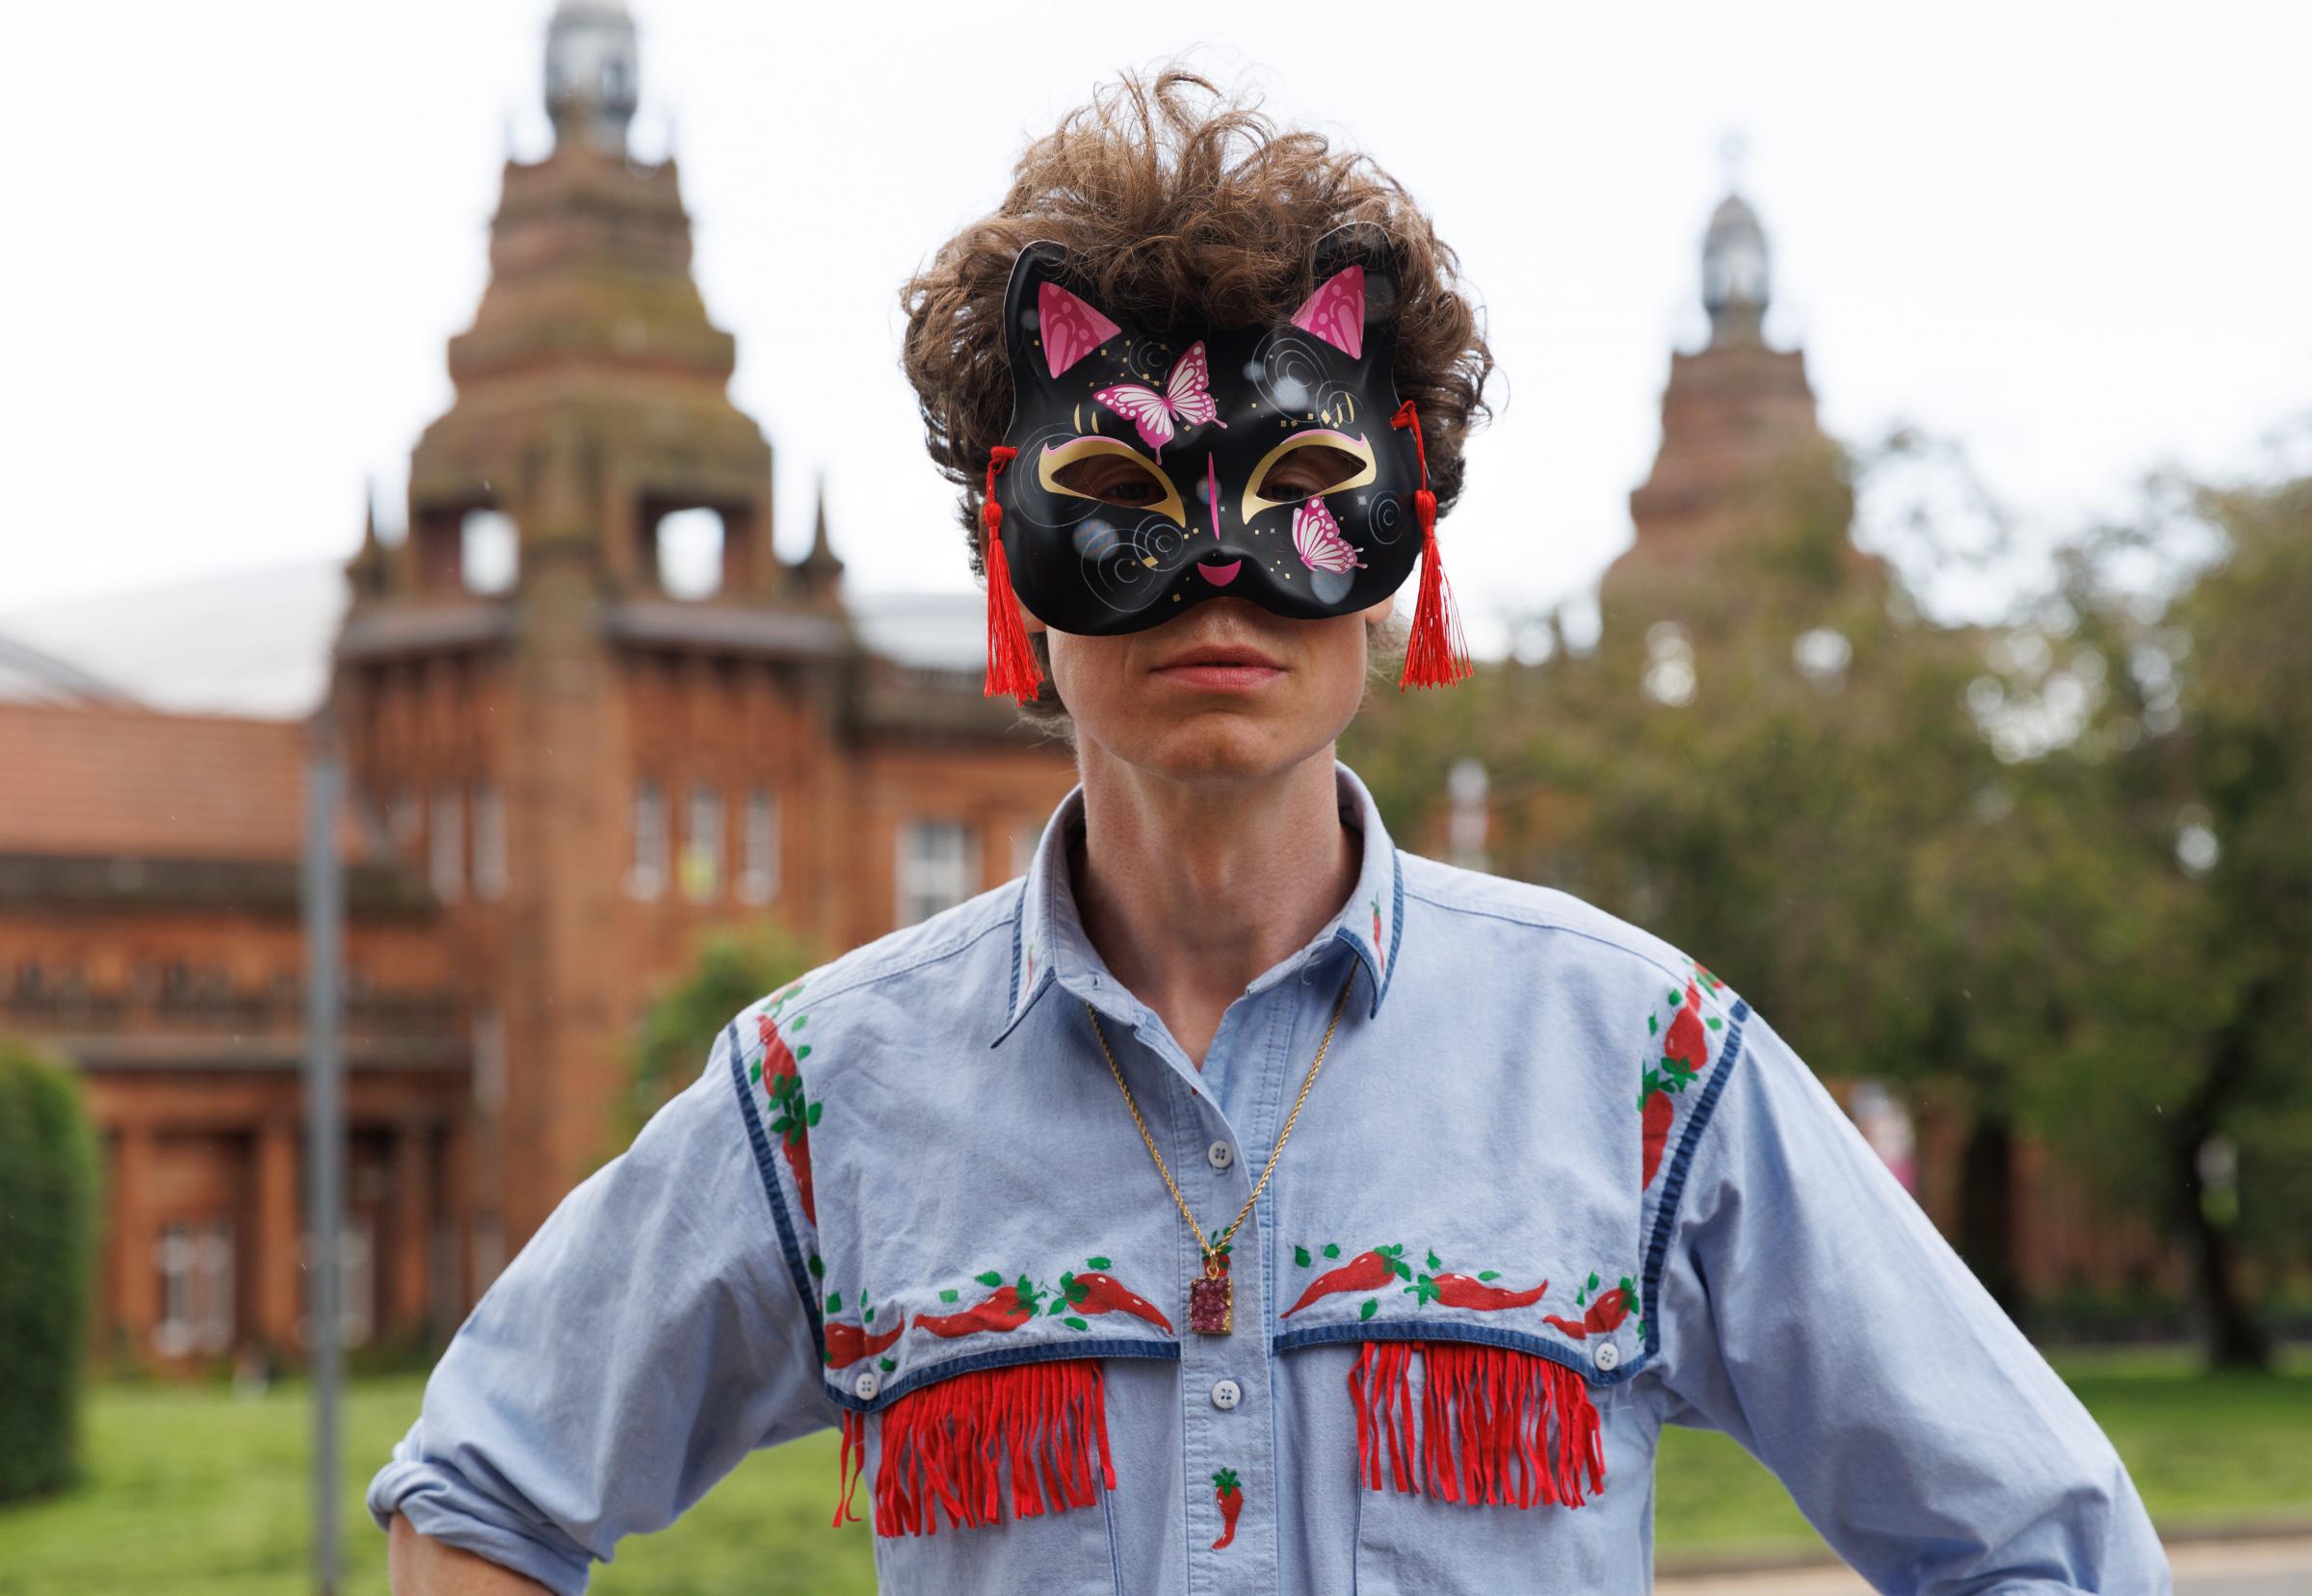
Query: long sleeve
[[1811, 1311], [634, 1351]]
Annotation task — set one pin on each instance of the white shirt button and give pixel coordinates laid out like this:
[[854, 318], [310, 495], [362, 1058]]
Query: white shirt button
[[866, 1385], [1226, 1395], [1220, 1154], [1607, 1357]]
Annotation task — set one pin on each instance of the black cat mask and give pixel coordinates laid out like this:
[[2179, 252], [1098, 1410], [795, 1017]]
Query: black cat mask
[[1147, 471]]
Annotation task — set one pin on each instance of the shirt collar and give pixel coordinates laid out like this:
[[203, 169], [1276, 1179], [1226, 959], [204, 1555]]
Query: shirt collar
[[1050, 948]]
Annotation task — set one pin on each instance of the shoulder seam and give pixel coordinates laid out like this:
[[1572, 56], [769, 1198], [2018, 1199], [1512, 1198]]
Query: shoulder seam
[[1638, 954], [887, 972]]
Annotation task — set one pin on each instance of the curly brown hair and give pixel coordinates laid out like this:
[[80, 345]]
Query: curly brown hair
[[1175, 199]]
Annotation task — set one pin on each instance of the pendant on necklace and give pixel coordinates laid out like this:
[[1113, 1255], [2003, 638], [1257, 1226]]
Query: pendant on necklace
[[1211, 1301]]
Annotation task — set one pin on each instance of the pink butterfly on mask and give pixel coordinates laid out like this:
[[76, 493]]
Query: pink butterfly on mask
[[1187, 394], [1317, 538]]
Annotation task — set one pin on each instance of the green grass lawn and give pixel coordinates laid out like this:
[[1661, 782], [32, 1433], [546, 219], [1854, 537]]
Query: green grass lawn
[[193, 1492]]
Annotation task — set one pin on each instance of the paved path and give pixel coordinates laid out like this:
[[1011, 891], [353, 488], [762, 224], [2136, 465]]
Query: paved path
[[2203, 1568]]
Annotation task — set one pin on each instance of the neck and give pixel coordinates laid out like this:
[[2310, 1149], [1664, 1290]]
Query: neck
[[1190, 890]]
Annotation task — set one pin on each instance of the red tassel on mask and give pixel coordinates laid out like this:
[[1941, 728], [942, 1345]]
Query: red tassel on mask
[[1011, 665], [1435, 656]]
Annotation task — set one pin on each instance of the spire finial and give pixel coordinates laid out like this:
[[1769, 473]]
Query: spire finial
[[1734, 261], [591, 78]]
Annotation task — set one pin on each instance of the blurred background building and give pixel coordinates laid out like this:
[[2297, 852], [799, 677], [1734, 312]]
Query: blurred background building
[[574, 749]]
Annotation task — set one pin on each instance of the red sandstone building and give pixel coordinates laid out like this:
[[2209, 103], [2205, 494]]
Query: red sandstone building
[[563, 775]]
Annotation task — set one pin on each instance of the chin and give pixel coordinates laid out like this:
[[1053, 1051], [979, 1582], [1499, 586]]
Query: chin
[[1217, 745]]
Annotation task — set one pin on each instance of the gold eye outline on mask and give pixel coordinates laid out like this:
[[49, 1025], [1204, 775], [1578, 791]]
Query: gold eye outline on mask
[[1057, 457], [1255, 502]]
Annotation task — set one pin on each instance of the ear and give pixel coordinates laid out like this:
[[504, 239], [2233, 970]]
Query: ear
[[1354, 269], [1048, 328]]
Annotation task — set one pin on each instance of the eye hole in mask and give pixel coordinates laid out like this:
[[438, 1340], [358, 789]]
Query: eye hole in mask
[[1307, 464], [1112, 472]]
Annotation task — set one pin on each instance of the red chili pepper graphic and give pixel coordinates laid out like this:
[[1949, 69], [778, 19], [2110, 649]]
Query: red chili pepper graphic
[[1367, 1271], [1006, 1308], [848, 1344], [1103, 1294], [783, 1081], [1606, 1311], [1231, 1497], [1460, 1290], [1687, 1042], [1658, 1111], [1611, 1308]]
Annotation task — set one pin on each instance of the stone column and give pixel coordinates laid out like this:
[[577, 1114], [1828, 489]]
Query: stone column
[[137, 1277], [413, 1228], [279, 1233]]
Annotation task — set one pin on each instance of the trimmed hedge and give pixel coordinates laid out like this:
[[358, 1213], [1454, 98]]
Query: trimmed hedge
[[48, 1258]]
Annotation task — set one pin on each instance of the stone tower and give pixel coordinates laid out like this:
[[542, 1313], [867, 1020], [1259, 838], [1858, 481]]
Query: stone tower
[[1737, 415], [596, 750]]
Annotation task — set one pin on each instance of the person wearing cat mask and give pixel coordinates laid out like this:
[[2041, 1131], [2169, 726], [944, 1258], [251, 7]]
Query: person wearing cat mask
[[1238, 1202]]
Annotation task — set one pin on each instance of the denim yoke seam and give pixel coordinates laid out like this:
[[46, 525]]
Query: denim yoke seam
[[1673, 1179], [760, 1141]]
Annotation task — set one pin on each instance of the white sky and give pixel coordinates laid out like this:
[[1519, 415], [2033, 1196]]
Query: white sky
[[2075, 236]]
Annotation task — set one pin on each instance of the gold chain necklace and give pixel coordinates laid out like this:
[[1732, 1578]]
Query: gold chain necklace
[[1212, 1299]]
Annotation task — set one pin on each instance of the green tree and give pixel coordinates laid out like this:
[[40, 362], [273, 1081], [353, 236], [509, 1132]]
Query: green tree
[[48, 1251], [2206, 736], [1780, 764], [733, 969]]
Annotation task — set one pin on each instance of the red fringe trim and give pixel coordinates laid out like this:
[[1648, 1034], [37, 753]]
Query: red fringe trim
[[1435, 655], [1497, 1402], [947, 1447], [1010, 664]]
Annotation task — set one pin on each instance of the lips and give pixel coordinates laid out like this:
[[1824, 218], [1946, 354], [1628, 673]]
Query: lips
[[1218, 572]]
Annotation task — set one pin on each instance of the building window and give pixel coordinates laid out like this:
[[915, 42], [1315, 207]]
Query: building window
[[939, 863], [196, 1288], [758, 849], [703, 844], [489, 1060], [357, 1282], [449, 844], [1024, 838], [490, 841], [647, 877], [407, 820]]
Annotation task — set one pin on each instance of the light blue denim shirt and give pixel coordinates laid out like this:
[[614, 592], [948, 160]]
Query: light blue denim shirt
[[1556, 1186]]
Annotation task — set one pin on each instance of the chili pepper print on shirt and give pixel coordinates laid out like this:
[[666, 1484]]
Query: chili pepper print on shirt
[[1679, 1047], [1603, 1311], [1006, 1304], [792, 1114], [1229, 1496], [1377, 1270]]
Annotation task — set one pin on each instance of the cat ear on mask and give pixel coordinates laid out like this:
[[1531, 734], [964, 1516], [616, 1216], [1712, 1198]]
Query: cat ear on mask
[[1047, 327], [1353, 304]]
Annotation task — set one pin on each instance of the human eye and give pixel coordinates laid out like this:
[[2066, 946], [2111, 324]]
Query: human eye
[[1112, 479], [1307, 472], [1306, 464], [1110, 472]]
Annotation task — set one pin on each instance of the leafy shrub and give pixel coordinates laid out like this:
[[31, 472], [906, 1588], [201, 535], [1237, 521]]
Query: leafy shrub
[[47, 1255]]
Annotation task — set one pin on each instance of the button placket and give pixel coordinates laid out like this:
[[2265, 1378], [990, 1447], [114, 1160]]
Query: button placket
[[1224, 1380]]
